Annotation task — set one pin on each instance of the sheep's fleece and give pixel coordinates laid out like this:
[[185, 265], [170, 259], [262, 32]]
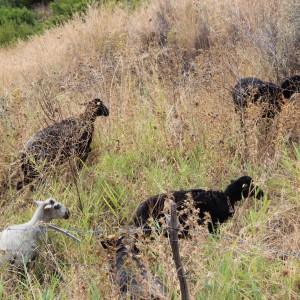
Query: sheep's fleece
[[18, 243]]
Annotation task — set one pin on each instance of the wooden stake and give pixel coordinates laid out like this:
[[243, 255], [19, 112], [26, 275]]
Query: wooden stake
[[174, 227]]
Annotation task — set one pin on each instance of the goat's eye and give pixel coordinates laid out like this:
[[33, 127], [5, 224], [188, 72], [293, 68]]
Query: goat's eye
[[245, 185], [56, 206], [52, 202]]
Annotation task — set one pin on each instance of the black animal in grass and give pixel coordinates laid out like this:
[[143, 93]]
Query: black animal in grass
[[129, 274], [219, 204], [270, 95], [57, 143]]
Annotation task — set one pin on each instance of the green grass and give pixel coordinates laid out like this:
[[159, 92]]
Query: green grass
[[111, 189], [113, 185]]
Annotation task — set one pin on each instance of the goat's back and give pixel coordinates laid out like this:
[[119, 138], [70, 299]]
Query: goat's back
[[18, 244], [66, 138], [212, 202], [256, 90]]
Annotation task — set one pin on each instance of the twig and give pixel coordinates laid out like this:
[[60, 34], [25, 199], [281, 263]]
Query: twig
[[64, 232], [176, 255]]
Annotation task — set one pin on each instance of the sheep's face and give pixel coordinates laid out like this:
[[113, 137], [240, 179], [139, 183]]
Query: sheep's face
[[291, 86], [98, 106], [53, 210], [242, 187]]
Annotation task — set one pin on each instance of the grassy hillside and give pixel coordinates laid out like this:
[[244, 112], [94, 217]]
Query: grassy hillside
[[166, 72]]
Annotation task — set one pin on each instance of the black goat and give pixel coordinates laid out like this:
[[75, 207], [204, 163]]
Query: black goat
[[257, 91], [55, 144], [125, 274], [220, 205]]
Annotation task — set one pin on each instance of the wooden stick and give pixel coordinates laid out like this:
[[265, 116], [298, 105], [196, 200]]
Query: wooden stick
[[175, 250]]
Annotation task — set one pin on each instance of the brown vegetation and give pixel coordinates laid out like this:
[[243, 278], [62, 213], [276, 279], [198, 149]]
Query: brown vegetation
[[167, 71]]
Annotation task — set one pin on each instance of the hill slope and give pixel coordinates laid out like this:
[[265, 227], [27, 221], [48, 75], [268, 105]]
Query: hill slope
[[166, 72]]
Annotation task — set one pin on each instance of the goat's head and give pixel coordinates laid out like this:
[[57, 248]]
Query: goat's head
[[290, 86], [242, 187], [98, 107], [53, 210]]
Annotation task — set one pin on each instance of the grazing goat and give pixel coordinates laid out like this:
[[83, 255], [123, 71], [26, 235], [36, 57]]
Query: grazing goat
[[256, 91], [291, 86], [18, 243], [57, 143], [220, 205], [132, 279]]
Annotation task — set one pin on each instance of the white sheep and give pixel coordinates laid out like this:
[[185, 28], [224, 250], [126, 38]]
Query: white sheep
[[18, 243]]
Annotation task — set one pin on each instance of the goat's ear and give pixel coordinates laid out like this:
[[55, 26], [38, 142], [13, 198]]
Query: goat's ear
[[38, 202], [48, 206]]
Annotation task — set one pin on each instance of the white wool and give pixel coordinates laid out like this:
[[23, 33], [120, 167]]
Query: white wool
[[19, 243]]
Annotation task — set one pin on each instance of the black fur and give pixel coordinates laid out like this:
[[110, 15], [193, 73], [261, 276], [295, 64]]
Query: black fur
[[257, 91], [220, 205], [55, 144], [290, 86]]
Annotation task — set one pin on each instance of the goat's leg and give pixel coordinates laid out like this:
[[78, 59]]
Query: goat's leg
[[83, 157]]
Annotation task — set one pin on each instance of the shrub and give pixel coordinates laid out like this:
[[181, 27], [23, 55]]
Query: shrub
[[19, 3], [16, 16], [64, 9], [16, 23]]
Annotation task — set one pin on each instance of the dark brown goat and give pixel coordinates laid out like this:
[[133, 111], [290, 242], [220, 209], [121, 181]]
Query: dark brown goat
[[129, 274], [57, 143]]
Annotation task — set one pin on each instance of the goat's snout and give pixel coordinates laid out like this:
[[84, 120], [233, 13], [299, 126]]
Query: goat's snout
[[105, 112], [67, 214]]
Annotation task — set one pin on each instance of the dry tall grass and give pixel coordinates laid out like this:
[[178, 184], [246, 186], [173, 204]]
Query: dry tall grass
[[166, 72]]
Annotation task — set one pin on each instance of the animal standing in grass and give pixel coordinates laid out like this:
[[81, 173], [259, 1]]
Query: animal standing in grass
[[270, 95], [57, 143], [129, 274], [218, 204], [18, 243]]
